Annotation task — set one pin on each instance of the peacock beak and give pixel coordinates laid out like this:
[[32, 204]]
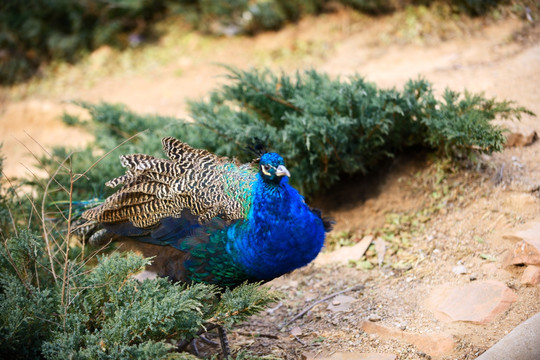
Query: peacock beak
[[281, 170]]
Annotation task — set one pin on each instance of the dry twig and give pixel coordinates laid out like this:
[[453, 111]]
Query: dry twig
[[303, 312]]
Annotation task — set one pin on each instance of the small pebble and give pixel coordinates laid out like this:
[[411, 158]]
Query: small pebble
[[459, 270], [296, 331], [511, 284], [473, 277], [374, 317]]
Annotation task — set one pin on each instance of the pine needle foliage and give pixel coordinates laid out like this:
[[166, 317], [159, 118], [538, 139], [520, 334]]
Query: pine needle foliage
[[27, 303], [325, 128], [57, 303], [114, 316], [240, 302]]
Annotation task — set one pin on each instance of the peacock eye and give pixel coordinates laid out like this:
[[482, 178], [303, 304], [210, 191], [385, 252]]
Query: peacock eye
[[266, 169]]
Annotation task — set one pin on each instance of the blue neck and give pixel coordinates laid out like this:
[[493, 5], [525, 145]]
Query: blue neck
[[280, 234]]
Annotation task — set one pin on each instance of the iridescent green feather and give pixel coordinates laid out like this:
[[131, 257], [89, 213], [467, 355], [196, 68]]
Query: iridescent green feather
[[238, 183]]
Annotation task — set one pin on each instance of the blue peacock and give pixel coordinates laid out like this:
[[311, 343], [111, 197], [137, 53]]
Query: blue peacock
[[210, 219]]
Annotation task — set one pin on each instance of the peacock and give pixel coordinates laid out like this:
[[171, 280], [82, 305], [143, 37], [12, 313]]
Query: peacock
[[206, 218]]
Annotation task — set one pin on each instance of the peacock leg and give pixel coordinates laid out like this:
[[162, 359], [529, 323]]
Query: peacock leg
[[224, 342], [207, 340], [194, 348], [182, 344]]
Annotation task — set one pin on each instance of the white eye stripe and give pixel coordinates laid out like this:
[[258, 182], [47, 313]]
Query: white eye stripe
[[266, 169]]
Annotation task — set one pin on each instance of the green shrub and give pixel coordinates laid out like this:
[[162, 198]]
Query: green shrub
[[57, 303], [374, 7], [27, 303], [475, 7], [37, 31], [324, 128]]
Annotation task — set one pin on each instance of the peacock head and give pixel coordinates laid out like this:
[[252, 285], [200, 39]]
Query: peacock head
[[272, 168]]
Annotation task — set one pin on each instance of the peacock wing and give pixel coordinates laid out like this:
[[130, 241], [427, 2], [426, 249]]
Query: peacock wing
[[190, 179]]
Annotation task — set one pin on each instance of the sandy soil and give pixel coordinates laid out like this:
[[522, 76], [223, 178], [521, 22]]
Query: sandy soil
[[479, 210]]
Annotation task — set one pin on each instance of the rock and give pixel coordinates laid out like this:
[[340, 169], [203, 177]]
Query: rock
[[520, 344], [527, 248], [459, 270], [296, 331], [374, 317], [436, 344], [345, 254], [341, 303], [473, 277], [402, 325], [519, 139], [524, 252], [531, 275], [478, 302]]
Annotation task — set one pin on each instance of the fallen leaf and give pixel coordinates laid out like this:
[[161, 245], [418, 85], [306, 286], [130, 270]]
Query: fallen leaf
[[488, 257]]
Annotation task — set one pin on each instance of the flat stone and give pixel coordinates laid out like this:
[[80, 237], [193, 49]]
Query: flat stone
[[435, 344], [345, 254], [531, 275], [477, 302]]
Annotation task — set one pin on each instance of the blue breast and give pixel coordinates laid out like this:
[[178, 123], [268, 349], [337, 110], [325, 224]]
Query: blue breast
[[281, 233]]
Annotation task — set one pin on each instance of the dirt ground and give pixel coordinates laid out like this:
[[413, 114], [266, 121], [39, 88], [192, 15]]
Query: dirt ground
[[482, 202]]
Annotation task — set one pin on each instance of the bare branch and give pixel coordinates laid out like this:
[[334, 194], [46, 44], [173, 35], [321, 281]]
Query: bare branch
[[303, 312], [106, 154]]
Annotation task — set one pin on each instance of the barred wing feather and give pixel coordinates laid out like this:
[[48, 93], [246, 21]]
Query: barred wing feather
[[191, 179]]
